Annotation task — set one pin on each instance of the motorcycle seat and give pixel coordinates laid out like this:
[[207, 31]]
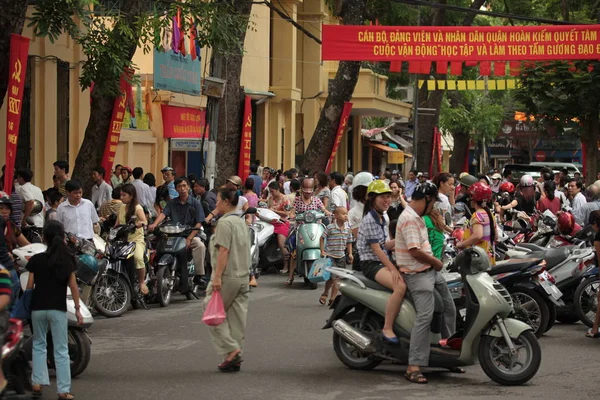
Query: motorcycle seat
[[532, 247], [513, 265], [554, 257]]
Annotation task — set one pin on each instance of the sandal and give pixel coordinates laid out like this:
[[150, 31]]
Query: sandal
[[591, 335], [67, 396], [289, 281], [457, 370], [323, 299], [36, 390], [415, 377]]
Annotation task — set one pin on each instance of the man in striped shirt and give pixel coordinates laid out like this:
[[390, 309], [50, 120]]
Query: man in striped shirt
[[419, 268]]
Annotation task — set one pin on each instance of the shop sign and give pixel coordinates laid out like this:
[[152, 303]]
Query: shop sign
[[176, 72], [186, 144], [458, 44], [395, 157], [183, 122]]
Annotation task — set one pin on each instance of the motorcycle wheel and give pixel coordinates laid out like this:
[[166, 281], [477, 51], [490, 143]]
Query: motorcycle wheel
[[531, 308], [164, 286], [499, 366], [586, 300], [80, 351], [306, 267], [567, 318], [551, 316], [18, 373], [111, 295], [350, 355]]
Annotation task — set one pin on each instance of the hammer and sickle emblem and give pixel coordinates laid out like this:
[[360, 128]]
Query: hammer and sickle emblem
[[17, 74]]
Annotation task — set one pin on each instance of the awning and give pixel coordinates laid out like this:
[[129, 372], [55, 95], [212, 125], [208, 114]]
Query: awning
[[405, 144], [395, 156], [258, 95]]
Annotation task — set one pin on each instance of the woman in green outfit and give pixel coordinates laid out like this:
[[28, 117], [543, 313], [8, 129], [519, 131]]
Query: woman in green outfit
[[435, 228], [230, 255]]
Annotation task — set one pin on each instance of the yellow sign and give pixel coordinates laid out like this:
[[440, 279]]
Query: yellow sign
[[395, 157]]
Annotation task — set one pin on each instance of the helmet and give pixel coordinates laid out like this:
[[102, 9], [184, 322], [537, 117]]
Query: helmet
[[480, 192], [236, 180], [378, 187], [87, 268], [128, 169], [308, 185], [5, 199], [458, 234], [37, 207], [474, 258], [526, 181], [507, 187], [425, 189], [566, 222], [362, 179], [468, 180]]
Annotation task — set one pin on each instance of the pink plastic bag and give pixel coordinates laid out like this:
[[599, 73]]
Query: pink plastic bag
[[215, 311]]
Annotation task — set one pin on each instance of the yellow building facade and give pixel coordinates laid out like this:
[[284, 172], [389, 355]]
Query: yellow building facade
[[282, 71]]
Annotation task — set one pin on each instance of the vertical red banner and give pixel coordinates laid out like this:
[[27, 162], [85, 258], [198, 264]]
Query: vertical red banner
[[246, 141], [19, 49], [439, 148], [436, 152], [116, 123], [340, 133]]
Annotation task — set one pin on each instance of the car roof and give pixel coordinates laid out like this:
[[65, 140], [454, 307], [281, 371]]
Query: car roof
[[518, 170]]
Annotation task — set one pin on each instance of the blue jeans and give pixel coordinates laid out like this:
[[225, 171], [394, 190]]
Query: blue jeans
[[16, 286], [57, 322]]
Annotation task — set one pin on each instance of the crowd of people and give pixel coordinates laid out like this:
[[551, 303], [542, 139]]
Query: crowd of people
[[390, 229]]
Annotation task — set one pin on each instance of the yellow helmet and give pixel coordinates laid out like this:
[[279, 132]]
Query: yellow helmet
[[378, 187]]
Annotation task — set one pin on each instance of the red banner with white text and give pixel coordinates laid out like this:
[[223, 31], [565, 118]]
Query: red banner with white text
[[458, 43], [19, 49], [114, 130], [246, 141], [340, 133], [183, 122]]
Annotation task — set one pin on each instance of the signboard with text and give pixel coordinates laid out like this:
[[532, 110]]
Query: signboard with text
[[183, 122], [177, 73]]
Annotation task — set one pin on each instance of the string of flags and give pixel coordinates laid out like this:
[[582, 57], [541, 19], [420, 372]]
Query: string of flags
[[485, 67], [492, 84]]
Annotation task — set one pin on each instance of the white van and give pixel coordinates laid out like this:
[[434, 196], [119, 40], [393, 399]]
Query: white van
[[557, 166]]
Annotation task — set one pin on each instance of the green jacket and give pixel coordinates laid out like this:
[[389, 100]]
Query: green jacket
[[436, 238]]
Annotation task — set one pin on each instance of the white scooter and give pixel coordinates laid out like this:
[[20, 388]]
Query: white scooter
[[79, 343], [269, 253]]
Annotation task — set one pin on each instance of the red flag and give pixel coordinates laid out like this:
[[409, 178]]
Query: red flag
[[515, 68], [395, 66], [442, 67], [456, 68], [116, 123], [340, 133], [181, 44], [499, 68], [425, 67], [470, 63], [193, 36], [246, 141], [19, 48], [485, 68]]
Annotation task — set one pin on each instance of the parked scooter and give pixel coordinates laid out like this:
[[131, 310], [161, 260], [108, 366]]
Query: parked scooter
[[15, 364], [308, 242], [507, 349], [269, 254], [585, 299]]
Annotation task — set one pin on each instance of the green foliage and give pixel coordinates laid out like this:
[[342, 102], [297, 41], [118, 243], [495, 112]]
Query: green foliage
[[107, 33], [376, 122]]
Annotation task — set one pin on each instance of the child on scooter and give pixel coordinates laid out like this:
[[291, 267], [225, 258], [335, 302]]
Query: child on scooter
[[336, 239]]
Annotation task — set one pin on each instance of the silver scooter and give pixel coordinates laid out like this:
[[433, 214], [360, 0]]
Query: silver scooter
[[506, 348]]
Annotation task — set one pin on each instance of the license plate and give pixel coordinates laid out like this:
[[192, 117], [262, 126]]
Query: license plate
[[551, 289]]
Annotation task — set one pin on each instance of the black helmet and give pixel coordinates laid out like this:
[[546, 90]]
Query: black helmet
[[425, 189], [5, 199]]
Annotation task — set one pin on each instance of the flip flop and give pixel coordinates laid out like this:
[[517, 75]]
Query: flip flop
[[415, 377], [392, 340], [323, 299], [591, 335]]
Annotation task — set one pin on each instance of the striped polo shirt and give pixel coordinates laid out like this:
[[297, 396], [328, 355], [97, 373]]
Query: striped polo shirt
[[337, 239], [411, 233]]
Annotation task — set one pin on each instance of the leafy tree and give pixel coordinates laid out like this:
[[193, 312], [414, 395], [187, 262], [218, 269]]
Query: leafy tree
[[565, 95], [109, 37]]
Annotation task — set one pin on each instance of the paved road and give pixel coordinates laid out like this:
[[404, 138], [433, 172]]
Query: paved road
[[166, 353]]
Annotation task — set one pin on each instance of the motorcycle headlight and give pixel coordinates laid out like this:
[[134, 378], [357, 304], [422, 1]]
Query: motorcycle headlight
[[172, 229], [112, 234], [310, 217]]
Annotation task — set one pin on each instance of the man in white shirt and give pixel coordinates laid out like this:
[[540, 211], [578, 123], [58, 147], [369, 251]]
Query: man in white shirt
[[29, 193], [338, 198], [578, 200], [289, 176], [77, 214], [101, 191], [144, 195]]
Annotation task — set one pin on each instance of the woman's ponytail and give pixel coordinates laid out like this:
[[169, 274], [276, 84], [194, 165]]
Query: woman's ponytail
[[492, 224], [60, 257]]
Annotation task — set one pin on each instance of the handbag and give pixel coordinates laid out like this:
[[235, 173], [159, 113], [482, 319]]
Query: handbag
[[22, 308], [215, 311], [318, 271]]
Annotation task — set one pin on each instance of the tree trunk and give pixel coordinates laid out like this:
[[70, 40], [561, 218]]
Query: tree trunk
[[460, 152], [92, 148], [592, 127], [231, 106], [340, 90], [12, 19]]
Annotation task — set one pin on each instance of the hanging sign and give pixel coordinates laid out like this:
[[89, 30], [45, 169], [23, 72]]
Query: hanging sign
[[455, 43], [340, 133], [246, 141], [177, 72], [19, 49], [183, 122], [116, 124]]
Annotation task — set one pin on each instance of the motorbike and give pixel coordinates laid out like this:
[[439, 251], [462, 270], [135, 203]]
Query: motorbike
[[79, 342], [308, 242], [15, 364], [506, 348], [585, 299], [175, 267], [117, 286], [268, 251]]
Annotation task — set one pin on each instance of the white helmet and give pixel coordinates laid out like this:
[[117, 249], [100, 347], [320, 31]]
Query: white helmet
[[362, 179], [526, 181]]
